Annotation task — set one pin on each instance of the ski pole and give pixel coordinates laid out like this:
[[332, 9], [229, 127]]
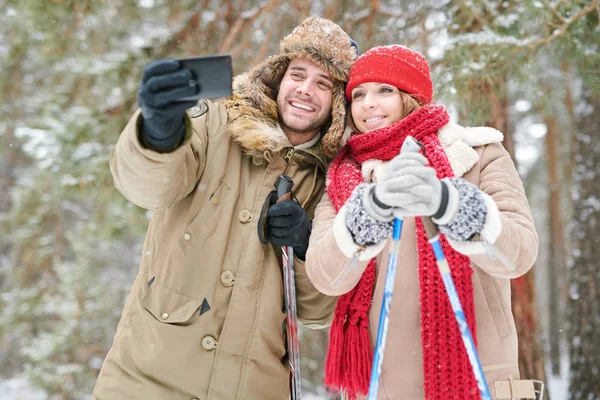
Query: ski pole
[[388, 290], [283, 186], [434, 238]]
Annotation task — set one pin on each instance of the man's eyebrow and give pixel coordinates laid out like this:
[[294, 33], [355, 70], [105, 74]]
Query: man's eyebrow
[[327, 77]]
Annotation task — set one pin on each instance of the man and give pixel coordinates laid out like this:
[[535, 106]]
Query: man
[[205, 317]]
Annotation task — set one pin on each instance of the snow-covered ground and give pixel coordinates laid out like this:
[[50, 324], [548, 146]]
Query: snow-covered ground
[[20, 389]]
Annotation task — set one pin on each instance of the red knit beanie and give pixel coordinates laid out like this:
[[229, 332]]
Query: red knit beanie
[[395, 65]]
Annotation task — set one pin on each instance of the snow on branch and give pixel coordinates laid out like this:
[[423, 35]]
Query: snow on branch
[[566, 24], [490, 37]]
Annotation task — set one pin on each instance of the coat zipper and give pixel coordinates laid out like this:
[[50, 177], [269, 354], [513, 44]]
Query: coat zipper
[[350, 265], [289, 155], [496, 254]]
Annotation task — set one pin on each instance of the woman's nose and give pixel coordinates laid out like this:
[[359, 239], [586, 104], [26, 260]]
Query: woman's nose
[[369, 102]]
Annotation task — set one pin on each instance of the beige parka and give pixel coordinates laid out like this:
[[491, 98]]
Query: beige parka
[[205, 317]]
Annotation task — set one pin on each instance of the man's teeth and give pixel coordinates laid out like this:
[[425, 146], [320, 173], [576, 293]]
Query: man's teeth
[[302, 106], [368, 121]]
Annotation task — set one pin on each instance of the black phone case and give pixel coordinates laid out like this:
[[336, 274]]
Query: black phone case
[[213, 75]]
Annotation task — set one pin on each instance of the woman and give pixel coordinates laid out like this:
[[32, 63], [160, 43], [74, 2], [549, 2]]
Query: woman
[[468, 184]]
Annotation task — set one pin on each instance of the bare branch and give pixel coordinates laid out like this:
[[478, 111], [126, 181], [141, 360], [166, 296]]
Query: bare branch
[[565, 26], [555, 12], [244, 18], [262, 52]]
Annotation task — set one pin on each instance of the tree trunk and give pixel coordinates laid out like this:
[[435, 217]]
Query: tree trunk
[[531, 355], [584, 291], [556, 262]]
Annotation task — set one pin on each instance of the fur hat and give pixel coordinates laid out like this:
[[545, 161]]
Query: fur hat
[[324, 43], [395, 65]]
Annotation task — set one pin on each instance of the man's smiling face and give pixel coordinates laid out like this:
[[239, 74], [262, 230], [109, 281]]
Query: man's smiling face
[[304, 100]]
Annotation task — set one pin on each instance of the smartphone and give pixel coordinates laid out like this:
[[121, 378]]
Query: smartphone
[[212, 74]]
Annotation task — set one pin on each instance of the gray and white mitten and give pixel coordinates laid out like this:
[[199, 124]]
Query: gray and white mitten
[[368, 223], [467, 211]]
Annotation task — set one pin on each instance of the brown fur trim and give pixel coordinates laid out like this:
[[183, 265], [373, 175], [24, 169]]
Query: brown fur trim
[[253, 121]]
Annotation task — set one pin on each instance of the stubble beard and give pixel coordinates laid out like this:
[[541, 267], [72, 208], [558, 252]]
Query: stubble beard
[[313, 127]]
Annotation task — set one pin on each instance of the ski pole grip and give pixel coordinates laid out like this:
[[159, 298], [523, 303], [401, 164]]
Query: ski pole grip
[[283, 186], [411, 145]]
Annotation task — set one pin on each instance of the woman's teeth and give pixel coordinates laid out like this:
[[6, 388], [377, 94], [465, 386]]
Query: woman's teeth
[[368, 121]]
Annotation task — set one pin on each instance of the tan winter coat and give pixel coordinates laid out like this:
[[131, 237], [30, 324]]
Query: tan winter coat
[[205, 317], [477, 156]]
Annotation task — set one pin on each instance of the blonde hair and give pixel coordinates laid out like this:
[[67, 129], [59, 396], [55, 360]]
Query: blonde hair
[[409, 104]]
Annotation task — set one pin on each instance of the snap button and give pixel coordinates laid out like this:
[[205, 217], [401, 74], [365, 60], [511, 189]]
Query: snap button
[[209, 342], [216, 201], [198, 110], [164, 315], [227, 278], [187, 236], [245, 216]]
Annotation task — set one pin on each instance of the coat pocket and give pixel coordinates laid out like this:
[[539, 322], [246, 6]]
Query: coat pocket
[[170, 307], [201, 213], [491, 293]]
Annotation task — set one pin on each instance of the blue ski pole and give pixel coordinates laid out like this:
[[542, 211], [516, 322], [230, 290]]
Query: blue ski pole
[[390, 279]]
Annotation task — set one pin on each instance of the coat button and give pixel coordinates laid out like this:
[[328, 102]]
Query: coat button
[[227, 278], [216, 201], [209, 342], [164, 315], [245, 216], [187, 236]]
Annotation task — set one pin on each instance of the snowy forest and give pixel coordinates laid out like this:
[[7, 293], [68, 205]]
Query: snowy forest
[[70, 243]]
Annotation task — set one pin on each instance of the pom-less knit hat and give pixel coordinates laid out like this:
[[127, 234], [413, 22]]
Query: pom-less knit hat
[[328, 46], [395, 65]]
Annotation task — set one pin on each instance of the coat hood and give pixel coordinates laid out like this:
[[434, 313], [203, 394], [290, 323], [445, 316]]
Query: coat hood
[[252, 110]]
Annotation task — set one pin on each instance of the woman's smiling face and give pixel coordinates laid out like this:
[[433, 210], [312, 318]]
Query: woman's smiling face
[[375, 105]]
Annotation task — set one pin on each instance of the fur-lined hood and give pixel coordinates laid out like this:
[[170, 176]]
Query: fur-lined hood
[[253, 120]]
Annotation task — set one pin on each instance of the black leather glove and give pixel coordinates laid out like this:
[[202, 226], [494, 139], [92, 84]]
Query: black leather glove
[[163, 83], [289, 226]]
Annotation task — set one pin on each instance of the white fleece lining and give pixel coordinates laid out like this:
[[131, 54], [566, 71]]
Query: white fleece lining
[[492, 227], [481, 135], [461, 156], [371, 169], [344, 241]]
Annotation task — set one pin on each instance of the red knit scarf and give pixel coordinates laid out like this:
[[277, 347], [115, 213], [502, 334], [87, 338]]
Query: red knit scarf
[[446, 369]]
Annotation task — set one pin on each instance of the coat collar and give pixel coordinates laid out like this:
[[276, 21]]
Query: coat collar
[[457, 141]]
